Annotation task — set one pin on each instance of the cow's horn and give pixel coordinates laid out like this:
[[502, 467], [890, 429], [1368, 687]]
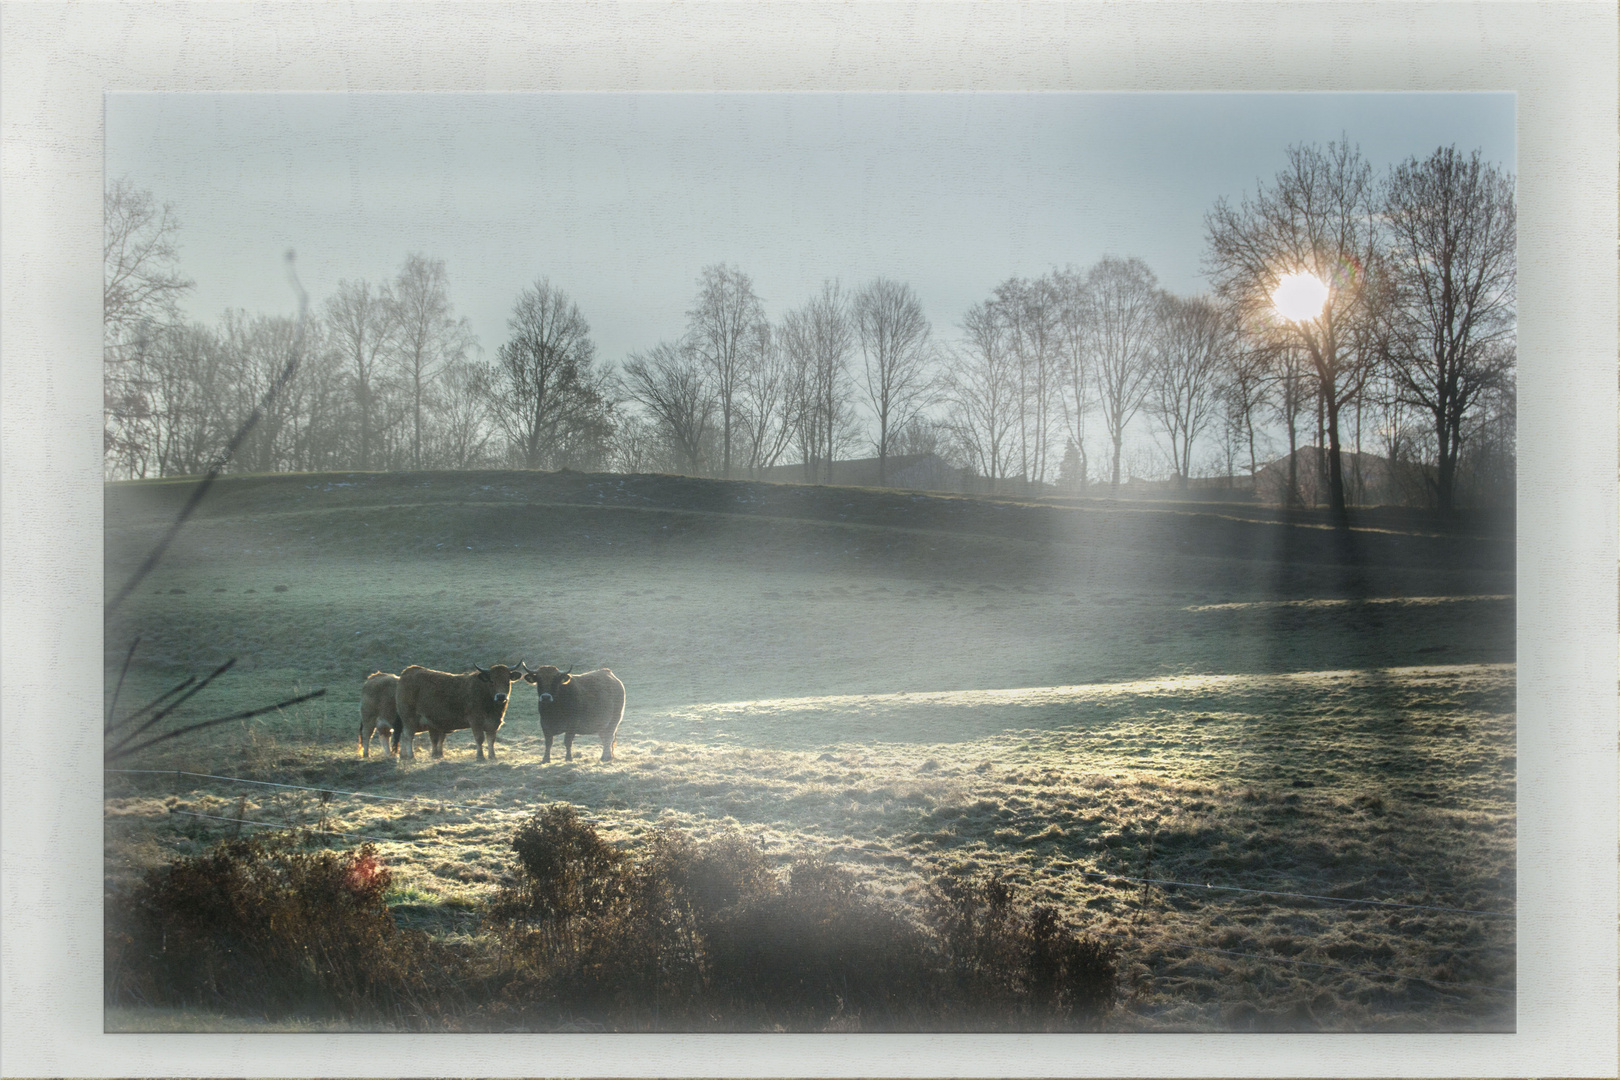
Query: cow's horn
[[482, 671], [524, 664]]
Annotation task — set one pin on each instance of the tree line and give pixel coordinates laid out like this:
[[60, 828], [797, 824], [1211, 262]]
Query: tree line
[[1410, 360]]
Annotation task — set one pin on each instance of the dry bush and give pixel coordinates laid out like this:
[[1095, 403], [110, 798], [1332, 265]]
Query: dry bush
[[817, 955], [705, 936], [1022, 963], [264, 926]]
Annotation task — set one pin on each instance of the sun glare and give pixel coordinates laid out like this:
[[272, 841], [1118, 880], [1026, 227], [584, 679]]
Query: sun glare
[[1299, 296]]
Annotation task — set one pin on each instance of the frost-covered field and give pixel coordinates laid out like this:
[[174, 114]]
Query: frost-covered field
[[1094, 715]]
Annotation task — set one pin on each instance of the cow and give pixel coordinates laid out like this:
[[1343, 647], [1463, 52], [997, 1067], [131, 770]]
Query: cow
[[591, 703], [377, 711], [438, 703]]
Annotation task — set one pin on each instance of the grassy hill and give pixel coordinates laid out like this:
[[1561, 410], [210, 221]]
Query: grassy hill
[[901, 681]]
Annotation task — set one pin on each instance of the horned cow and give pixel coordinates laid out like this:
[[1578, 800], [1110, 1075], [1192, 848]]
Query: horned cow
[[377, 711], [591, 703], [438, 703]]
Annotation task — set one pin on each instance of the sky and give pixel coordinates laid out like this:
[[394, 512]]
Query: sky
[[621, 199]]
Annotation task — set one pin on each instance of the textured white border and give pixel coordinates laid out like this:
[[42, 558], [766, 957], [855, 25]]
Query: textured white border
[[57, 61]]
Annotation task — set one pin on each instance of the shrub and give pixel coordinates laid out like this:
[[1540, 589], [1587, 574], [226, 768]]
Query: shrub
[[261, 925], [678, 935], [817, 955], [1021, 963], [705, 935], [565, 870]]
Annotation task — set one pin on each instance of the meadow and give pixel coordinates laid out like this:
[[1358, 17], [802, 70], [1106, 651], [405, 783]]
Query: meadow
[[1113, 704]]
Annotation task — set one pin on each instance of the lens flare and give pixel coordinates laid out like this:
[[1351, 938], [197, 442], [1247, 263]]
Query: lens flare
[[1300, 296]]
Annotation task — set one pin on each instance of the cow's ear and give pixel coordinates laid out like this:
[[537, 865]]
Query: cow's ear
[[531, 677], [566, 679]]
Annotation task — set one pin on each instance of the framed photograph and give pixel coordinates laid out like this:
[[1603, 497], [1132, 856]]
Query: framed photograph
[[950, 564]]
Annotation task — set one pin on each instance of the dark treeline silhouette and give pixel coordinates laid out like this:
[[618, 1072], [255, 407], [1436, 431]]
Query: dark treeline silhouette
[[1082, 378]]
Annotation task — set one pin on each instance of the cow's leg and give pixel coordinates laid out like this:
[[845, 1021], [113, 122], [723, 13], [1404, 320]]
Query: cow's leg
[[568, 746], [365, 739], [478, 737], [607, 746], [437, 738], [492, 732], [546, 760], [407, 739]]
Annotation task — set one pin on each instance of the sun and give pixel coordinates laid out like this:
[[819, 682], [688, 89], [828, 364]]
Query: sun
[[1299, 296]]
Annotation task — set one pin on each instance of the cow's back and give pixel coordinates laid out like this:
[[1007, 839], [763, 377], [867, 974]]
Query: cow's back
[[422, 689], [379, 696]]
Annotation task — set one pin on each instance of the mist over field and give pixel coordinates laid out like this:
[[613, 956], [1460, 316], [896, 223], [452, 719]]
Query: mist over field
[[1108, 703]]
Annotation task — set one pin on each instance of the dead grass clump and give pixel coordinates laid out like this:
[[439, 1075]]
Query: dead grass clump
[[267, 926]]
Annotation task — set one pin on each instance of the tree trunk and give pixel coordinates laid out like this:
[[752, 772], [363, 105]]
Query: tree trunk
[[1447, 467], [1293, 499], [725, 459], [1117, 447], [416, 423], [1335, 461], [365, 426], [1322, 465]]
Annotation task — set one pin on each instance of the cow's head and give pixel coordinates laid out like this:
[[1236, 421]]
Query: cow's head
[[548, 680], [499, 679]]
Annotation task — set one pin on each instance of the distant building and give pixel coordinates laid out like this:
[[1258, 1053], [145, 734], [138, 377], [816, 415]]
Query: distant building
[[917, 472]]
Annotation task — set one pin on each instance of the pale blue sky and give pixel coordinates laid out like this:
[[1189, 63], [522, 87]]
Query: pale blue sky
[[622, 198]]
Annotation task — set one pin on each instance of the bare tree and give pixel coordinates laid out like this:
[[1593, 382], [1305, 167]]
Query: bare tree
[[766, 405], [428, 337], [463, 429], [1246, 391], [318, 406], [1292, 397], [920, 435], [361, 324], [981, 388], [671, 382], [258, 347], [817, 340], [1451, 229], [637, 445], [1317, 218], [1121, 310], [1074, 371], [1192, 343], [895, 349], [1030, 313], [190, 379], [727, 328], [545, 393], [141, 290]]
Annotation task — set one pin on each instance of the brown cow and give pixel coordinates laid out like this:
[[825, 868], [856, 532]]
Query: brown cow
[[438, 703], [591, 703], [377, 712]]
